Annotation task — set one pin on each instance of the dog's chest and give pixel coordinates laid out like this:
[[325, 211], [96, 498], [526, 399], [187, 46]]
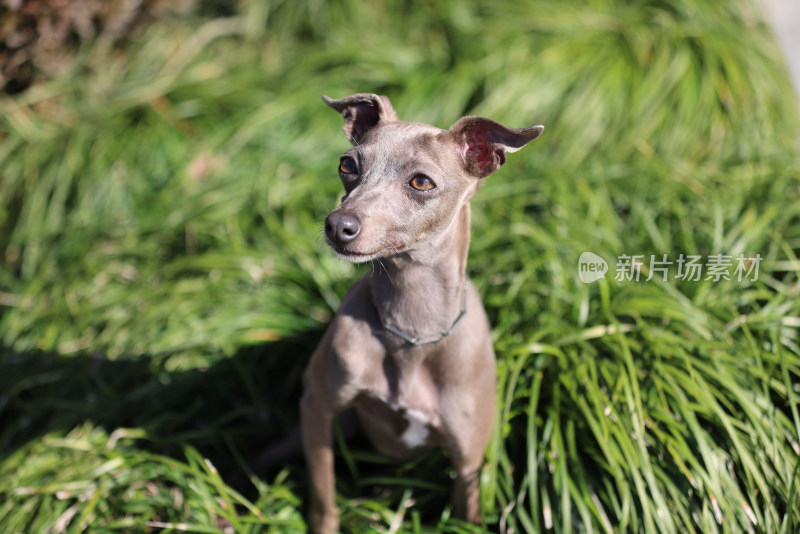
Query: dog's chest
[[411, 427], [402, 410]]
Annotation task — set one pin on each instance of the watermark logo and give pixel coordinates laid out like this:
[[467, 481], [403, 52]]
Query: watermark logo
[[690, 268], [591, 267]]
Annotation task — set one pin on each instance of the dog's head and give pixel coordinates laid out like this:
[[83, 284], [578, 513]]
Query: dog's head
[[404, 182]]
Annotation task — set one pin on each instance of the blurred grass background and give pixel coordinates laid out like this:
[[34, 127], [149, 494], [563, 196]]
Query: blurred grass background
[[164, 280]]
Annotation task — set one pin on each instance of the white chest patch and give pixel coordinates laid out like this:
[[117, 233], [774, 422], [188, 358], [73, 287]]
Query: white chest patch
[[417, 431]]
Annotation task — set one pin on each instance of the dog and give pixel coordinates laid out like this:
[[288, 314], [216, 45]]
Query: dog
[[409, 349]]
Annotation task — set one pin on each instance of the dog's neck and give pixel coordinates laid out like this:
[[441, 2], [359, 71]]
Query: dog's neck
[[422, 292]]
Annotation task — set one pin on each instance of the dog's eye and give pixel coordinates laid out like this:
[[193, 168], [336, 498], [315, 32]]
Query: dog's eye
[[347, 166], [422, 183]]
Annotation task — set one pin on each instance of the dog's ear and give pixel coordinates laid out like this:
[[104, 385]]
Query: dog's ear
[[362, 112], [483, 143]]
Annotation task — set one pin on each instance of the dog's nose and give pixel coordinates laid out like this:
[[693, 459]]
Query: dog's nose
[[341, 228]]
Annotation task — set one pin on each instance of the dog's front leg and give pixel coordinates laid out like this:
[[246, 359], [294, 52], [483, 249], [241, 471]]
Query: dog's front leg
[[317, 429], [466, 493]]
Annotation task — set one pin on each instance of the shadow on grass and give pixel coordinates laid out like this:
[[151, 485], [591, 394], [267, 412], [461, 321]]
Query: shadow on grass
[[231, 412], [242, 403]]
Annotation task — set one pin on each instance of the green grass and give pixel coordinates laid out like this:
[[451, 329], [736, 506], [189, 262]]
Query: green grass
[[164, 279]]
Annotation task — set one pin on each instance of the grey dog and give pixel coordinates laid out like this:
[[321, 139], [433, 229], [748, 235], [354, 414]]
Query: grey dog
[[410, 347]]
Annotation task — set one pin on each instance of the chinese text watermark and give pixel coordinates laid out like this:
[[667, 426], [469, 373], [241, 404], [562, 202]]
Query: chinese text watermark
[[689, 268]]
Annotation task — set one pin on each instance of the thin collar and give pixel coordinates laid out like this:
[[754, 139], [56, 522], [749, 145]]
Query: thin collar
[[432, 339]]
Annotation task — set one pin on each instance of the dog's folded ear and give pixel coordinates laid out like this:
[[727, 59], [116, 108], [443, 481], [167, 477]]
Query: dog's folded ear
[[361, 112], [483, 143]]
